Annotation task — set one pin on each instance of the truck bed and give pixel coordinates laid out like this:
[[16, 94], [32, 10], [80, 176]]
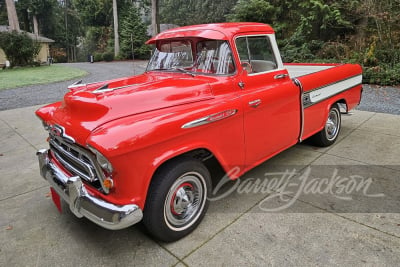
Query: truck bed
[[296, 70]]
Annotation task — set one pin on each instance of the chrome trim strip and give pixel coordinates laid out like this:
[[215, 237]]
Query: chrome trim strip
[[210, 118], [76, 84], [298, 83], [99, 90], [82, 203], [73, 169], [317, 97]]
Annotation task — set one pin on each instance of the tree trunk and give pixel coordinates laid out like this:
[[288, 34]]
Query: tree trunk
[[116, 34], [154, 17], [35, 26], [12, 15]]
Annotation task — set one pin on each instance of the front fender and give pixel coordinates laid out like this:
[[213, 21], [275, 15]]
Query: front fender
[[136, 146]]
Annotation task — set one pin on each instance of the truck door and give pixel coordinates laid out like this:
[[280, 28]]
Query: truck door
[[271, 100]]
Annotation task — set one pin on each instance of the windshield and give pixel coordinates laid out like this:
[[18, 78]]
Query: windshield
[[211, 56]]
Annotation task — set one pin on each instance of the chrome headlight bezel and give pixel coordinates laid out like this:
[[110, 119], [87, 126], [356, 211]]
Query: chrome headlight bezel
[[103, 162]]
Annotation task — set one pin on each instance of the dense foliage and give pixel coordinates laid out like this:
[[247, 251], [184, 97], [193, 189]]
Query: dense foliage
[[19, 48], [362, 31], [366, 32], [186, 12]]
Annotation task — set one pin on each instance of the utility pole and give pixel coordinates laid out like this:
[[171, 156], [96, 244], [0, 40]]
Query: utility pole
[[66, 27], [116, 34], [12, 16], [155, 24]]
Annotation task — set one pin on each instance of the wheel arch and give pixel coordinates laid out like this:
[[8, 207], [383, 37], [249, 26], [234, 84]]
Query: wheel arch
[[342, 103], [202, 154]]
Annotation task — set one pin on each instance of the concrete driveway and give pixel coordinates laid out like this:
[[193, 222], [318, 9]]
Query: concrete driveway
[[328, 227]]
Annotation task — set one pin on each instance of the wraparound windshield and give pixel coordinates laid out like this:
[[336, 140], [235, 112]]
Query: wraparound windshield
[[211, 56]]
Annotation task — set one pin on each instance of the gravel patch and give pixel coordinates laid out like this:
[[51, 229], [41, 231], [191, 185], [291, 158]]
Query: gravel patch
[[47, 93], [380, 99], [375, 98]]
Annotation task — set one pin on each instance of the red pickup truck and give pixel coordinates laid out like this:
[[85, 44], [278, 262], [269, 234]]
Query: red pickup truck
[[134, 148]]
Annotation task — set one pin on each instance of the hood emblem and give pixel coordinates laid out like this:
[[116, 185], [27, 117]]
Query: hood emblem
[[59, 131]]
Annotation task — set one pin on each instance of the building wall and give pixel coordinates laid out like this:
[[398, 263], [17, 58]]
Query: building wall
[[2, 58], [41, 57], [43, 53]]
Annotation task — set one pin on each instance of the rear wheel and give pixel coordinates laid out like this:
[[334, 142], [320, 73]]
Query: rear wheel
[[177, 199], [328, 135]]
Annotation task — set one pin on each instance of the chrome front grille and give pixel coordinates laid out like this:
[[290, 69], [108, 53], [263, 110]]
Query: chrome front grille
[[77, 160]]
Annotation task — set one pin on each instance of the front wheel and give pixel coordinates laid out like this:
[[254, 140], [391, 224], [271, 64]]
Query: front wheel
[[328, 135], [177, 199]]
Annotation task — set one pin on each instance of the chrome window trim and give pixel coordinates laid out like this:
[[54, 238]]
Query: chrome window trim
[[275, 51]]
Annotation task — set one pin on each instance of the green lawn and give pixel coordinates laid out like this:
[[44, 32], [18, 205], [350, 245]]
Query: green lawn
[[18, 77]]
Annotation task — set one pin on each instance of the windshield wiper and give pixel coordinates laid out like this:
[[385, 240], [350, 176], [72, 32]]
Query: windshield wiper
[[174, 68], [183, 71]]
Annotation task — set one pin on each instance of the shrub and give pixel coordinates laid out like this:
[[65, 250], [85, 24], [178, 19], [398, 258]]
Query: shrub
[[97, 57], [59, 55], [108, 56], [382, 75], [334, 50], [19, 48]]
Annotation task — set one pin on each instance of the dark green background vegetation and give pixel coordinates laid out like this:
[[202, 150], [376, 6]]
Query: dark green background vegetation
[[359, 31]]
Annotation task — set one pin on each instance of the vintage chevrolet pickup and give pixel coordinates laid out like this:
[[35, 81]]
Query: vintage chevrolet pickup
[[134, 149]]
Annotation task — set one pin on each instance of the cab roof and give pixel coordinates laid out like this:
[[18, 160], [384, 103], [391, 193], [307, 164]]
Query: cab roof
[[218, 31]]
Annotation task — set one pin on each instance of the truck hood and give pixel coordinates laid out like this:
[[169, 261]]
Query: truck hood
[[89, 106]]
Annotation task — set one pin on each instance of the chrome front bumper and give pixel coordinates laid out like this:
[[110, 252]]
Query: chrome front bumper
[[84, 204]]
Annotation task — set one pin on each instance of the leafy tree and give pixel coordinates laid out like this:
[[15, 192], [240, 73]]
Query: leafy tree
[[19, 48], [133, 35], [94, 12], [3, 13], [255, 11], [187, 12]]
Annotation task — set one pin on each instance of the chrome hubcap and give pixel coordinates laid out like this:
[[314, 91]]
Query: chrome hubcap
[[332, 125], [182, 199], [185, 201]]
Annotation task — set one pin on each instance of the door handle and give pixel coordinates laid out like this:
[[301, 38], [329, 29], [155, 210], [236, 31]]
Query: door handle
[[255, 103], [280, 76]]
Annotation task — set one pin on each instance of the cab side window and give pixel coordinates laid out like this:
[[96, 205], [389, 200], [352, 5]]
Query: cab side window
[[256, 54]]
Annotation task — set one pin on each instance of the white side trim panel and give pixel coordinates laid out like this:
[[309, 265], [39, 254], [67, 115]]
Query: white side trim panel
[[333, 89]]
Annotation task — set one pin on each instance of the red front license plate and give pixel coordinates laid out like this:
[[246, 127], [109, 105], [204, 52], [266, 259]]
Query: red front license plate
[[56, 199]]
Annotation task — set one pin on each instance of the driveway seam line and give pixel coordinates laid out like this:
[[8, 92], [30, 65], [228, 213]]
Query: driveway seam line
[[346, 218], [24, 193], [226, 226], [15, 131]]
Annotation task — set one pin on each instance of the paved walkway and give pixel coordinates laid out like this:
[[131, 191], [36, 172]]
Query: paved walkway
[[317, 229]]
